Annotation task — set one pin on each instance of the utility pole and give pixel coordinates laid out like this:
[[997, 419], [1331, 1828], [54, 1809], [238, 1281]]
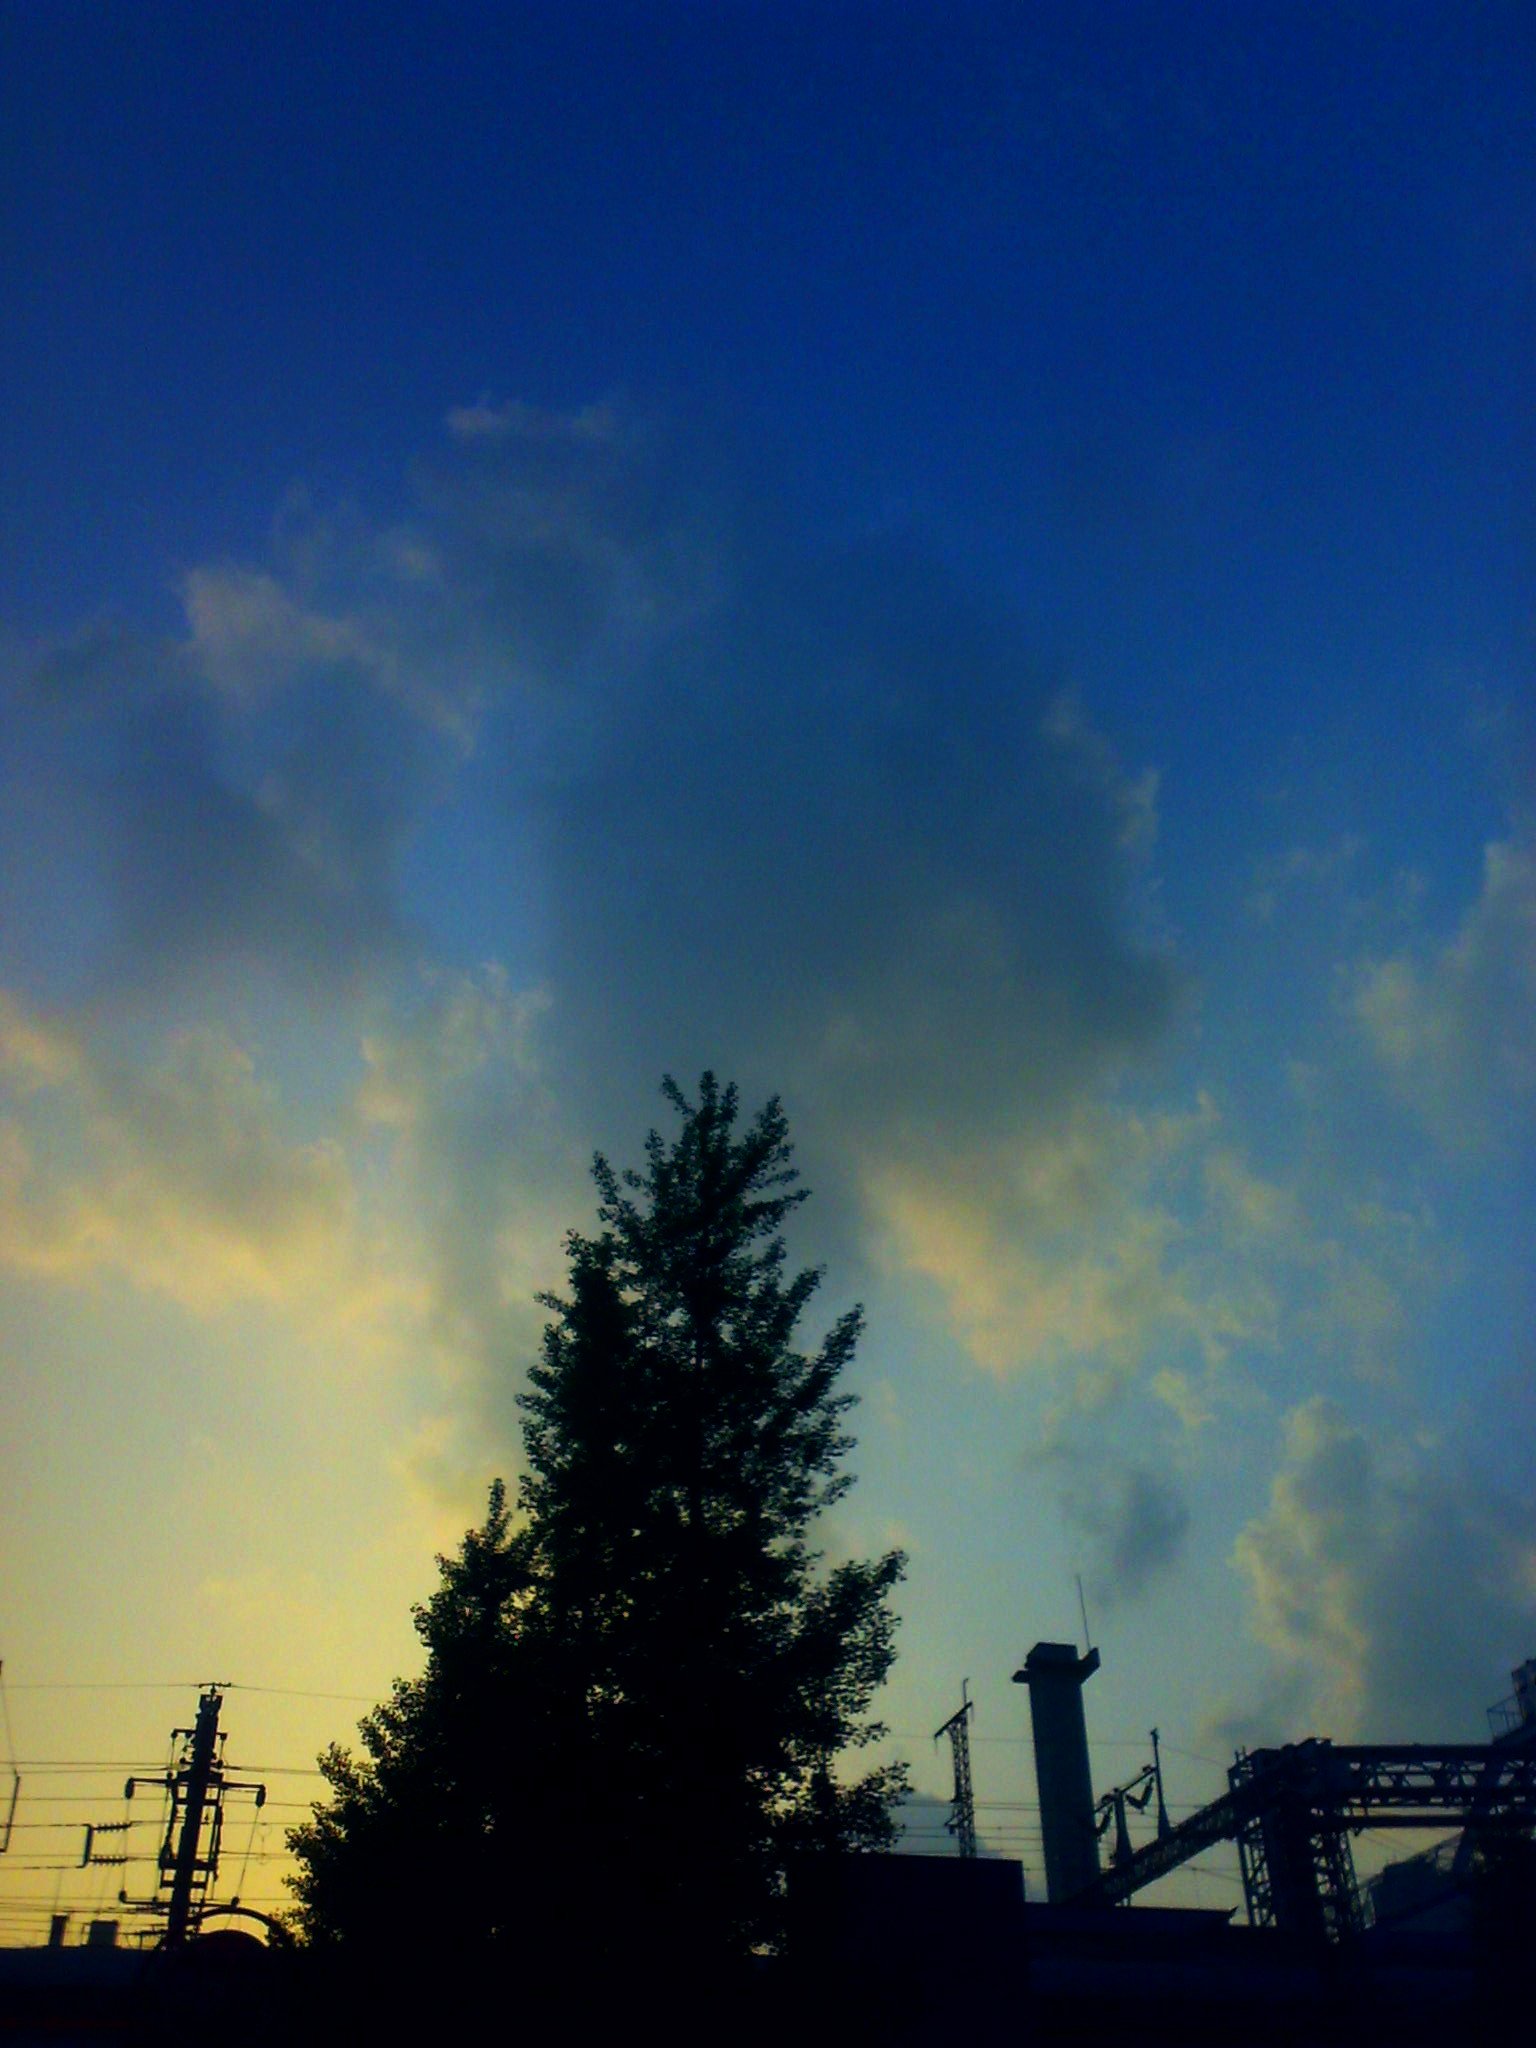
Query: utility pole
[[1157, 1772], [197, 1786], [1139, 1793], [199, 1771], [962, 1818]]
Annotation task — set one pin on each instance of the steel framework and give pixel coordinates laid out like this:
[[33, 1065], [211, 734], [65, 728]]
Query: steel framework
[[1291, 1812], [962, 1817]]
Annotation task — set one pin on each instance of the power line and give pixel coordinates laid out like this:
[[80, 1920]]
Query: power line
[[139, 1763], [106, 1685], [294, 1692]]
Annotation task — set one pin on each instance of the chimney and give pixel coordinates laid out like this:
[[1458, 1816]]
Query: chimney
[[1056, 1675]]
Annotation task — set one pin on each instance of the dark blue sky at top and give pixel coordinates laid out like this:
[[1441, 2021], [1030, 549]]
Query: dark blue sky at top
[[1004, 269], [1199, 335]]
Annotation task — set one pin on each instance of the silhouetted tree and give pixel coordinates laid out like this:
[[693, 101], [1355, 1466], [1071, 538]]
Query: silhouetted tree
[[408, 1842], [637, 1693]]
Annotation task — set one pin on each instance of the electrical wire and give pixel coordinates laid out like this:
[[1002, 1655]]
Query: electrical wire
[[294, 1692], [246, 1859], [107, 1685], [62, 1767]]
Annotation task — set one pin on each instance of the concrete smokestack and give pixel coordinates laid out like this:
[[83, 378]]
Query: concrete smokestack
[[1056, 1675]]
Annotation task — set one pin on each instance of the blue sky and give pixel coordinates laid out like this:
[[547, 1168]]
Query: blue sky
[[968, 567]]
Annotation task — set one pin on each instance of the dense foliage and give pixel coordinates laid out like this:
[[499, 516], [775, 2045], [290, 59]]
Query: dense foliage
[[638, 1687]]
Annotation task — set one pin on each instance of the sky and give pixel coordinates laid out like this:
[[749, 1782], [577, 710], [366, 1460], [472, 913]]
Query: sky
[[969, 567]]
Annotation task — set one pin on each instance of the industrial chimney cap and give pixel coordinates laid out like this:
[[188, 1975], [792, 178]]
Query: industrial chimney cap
[[1057, 1660]]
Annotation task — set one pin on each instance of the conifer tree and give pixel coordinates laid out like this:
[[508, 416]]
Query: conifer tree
[[638, 1690]]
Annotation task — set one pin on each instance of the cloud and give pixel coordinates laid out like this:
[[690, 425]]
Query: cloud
[[359, 613], [196, 835], [842, 832], [175, 1174], [249, 634], [517, 420], [800, 808], [725, 792], [1132, 1253], [565, 548], [1451, 1030], [35, 1052], [487, 1184], [1131, 1518], [1392, 1592], [407, 1219], [1177, 1392], [1300, 866], [1095, 1248], [799, 805]]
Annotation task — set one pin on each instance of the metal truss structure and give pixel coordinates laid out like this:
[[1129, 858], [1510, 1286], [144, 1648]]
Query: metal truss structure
[[962, 1816], [1291, 1812]]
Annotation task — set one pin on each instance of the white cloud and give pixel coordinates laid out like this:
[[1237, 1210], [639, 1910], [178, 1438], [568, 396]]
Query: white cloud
[[515, 419], [1391, 1593], [1085, 1249], [808, 813], [802, 812], [466, 1022], [407, 1221], [1179, 1393], [1454, 1030], [249, 633], [1300, 866], [196, 834], [36, 1052], [176, 1174], [254, 635]]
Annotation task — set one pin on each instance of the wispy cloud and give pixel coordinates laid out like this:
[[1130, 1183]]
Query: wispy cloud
[[1391, 1592], [194, 840], [484, 1182], [515, 419], [1298, 867], [402, 1223], [176, 1174], [1452, 1026], [1130, 1516]]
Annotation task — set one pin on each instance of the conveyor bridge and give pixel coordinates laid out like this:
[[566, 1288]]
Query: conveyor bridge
[[1291, 1812]]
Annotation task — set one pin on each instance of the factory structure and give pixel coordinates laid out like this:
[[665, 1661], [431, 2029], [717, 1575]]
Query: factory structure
[[1431, 1945], [916, 1949], [1291, 1811]]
